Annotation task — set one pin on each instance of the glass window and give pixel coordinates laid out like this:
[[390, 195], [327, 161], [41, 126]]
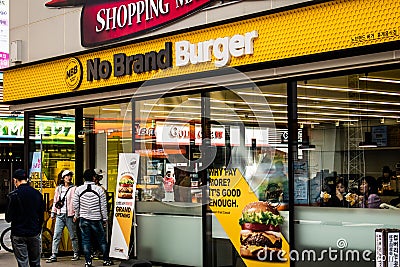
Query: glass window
[[348, 159], [167, 136], [350, 128], [169, 194], [107, 132], [54, 139]]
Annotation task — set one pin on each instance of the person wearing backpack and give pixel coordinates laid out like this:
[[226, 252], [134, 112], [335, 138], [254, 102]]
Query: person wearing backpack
[[91, 209], [63, 212]]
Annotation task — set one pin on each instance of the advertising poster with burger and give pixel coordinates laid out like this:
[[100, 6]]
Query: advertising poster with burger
[[257, 229], [128, 166]]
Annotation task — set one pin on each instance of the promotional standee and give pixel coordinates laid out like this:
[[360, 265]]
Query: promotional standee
[[36, 163], [128, 165], [257, 229]]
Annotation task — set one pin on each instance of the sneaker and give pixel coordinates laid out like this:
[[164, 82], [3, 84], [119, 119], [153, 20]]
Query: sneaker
[[53, 258], [75, 257], [95, 255], [88, 264], [108, 263]]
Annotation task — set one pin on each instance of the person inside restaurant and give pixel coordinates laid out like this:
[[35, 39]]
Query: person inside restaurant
[[383, 181], [367, 195]]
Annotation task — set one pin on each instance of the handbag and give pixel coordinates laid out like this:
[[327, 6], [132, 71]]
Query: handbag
[[60, 203]]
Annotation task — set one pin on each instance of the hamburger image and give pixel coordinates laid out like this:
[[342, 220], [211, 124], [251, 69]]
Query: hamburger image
[[260, 237], [126, 187]]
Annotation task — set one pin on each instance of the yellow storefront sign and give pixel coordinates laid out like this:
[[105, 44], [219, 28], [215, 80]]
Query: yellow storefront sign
[[325, 27]]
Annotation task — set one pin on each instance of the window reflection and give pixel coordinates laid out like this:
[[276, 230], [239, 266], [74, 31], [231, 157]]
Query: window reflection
[[257, 144], [168, 137], [353, 122], [54, 138], [107, 132]]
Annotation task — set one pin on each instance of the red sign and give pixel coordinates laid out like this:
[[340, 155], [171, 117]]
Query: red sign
[[103, 21]]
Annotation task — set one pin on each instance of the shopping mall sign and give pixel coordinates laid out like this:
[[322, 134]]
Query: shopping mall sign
[[104, 21]]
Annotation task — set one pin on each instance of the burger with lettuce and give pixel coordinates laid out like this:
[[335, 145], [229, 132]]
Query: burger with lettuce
[[260, 237], [126, 187]]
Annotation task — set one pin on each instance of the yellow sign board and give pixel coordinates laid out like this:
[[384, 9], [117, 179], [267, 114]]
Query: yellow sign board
[[254, 227], [325, 27]]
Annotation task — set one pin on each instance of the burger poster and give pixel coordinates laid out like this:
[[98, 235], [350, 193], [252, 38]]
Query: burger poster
[[257, 229], [128, 165]]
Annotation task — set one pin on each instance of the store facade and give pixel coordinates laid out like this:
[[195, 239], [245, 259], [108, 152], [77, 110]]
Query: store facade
[[275, 106], [11, 155]]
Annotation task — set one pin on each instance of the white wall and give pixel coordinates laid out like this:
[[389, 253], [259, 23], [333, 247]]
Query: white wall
[[53, 32]]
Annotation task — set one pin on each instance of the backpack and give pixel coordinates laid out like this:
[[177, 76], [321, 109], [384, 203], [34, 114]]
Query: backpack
[[89, 189]]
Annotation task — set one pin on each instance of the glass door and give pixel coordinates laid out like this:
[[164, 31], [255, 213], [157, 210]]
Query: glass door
[[249, 187], [169, 196]]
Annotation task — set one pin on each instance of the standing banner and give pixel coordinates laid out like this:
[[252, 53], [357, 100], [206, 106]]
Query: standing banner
[[36, 163], [38, 177], [128, 165]]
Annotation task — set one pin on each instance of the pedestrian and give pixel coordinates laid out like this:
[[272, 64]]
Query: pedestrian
[[91, 209], [98, 177], [63, 212], [96, 251], [169, 183], [25, 211]]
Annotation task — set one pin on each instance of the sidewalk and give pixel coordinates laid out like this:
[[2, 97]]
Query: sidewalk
[[8, 259]]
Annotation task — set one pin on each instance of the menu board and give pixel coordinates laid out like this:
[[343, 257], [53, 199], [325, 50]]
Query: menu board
[[301, 192], [379, 135]]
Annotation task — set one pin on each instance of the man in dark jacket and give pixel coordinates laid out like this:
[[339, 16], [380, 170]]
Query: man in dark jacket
[[25, 211]]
